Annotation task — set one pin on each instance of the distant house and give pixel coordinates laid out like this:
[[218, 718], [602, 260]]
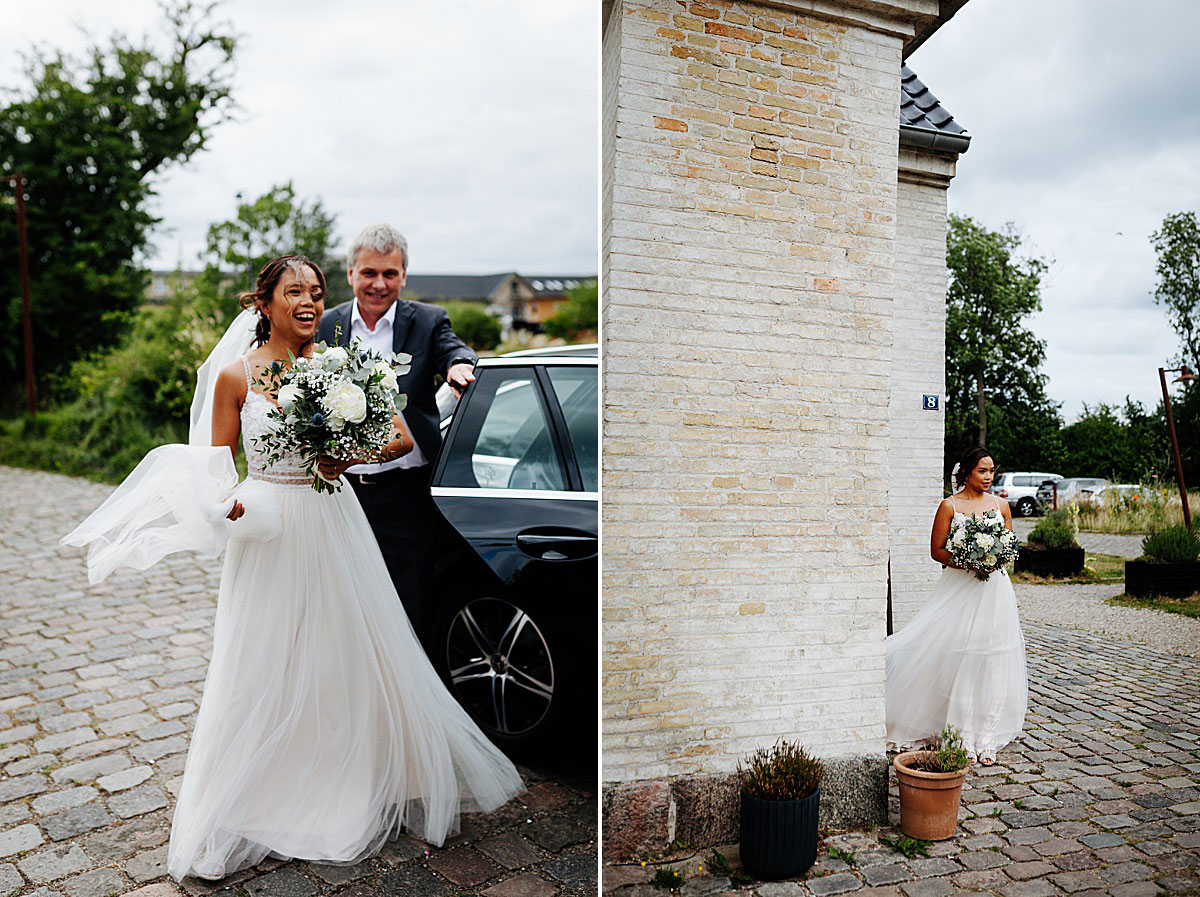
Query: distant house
[[550, 291], [163, 286], [502, 295], [519, 302]]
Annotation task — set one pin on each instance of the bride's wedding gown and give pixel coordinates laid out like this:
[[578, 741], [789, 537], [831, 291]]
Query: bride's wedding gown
[[323, 728], [960, 660]]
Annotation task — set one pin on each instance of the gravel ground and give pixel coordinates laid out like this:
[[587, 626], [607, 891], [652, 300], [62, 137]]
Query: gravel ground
[[1083, 607]]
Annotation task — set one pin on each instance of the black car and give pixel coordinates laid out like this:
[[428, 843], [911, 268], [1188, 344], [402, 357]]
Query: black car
[[514, 603]]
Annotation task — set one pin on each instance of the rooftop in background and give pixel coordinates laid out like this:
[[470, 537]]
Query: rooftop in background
[[924, 121], [479, 287], [557, 283]]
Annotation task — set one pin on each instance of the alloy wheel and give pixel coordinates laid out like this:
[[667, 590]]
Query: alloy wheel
[[500, 666]]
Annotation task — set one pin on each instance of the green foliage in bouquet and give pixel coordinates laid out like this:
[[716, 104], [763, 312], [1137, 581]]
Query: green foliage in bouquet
[[784, 771], [1172, 545], [1055, 530], [946, 753]]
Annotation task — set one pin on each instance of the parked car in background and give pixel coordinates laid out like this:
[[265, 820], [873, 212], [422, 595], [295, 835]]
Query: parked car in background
[[1020, 490], [1118, 493], [513, 607], [1071, 491]]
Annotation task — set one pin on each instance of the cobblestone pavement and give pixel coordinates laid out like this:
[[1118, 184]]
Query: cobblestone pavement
[[99, 687], [1125, 546], [1100, 798], [1086, 607]]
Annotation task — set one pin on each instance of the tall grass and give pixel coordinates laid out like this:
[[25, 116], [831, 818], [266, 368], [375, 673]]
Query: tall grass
[[1154, 508]]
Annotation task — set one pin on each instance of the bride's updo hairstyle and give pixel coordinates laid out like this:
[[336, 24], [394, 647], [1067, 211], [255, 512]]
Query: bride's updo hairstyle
[[967, 463], [264, 289]]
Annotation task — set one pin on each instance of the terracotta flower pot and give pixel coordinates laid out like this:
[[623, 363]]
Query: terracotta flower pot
[[928, 800]]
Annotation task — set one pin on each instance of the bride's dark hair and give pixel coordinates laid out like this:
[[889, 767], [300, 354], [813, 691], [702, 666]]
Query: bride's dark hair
[[967, 463], [264, 288]]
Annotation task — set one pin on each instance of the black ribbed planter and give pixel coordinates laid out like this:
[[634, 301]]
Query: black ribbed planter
[[1049, 561], [779, 837], [1148, 578]]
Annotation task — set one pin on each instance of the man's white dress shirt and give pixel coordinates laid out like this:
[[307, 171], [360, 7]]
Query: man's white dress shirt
[[380, 340]]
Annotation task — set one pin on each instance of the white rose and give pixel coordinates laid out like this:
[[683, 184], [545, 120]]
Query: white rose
[[333, 357], [288, 395], [345, 402], [389, 376], [990, 560], [960, 536], [984, 541]]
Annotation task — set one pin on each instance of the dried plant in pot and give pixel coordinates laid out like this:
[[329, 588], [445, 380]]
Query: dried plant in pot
[[931, 787], [781, 797]]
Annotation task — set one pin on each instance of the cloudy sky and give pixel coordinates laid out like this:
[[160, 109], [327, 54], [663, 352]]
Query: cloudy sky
[[471, 125], [1085, 124]]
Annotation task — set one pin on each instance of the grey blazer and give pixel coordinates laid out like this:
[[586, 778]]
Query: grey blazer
[[423, 331]]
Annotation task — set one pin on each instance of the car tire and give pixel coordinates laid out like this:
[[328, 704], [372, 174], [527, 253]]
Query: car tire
[[501, 662], [1026, 507]]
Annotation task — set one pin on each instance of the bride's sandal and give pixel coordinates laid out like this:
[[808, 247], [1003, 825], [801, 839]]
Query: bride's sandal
[[987, 758]]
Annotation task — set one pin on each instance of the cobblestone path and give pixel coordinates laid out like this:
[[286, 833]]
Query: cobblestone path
[[1101, 798], [99, 687]]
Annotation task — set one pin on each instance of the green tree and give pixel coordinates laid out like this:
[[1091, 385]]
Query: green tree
[[578, 315], [90, 136], [274, 224], [473, 325], [1177, 245], [992, 361]]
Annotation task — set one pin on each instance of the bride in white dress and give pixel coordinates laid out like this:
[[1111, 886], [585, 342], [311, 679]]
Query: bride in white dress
[[323, 728], [961, 659]]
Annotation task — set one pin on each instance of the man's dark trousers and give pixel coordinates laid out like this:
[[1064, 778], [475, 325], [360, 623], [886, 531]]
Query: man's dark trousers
[[398, 504]]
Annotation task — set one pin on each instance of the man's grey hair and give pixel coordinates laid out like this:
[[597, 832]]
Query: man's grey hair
[[378, 238]]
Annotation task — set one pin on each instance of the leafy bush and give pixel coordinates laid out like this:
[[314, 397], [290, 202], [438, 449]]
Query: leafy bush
[[116, 405], [783, 772], [474, 326], [1055, 530], [580, 314], [946, 753], [1172, 545]]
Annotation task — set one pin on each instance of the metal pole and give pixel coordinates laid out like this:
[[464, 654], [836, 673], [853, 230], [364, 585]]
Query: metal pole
[[26, 314], [1187, 513]]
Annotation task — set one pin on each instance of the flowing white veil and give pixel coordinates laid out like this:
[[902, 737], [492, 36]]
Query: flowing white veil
[[178, 496]]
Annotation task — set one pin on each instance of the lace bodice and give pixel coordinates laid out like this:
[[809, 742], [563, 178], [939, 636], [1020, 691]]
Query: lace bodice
[[255, 424]]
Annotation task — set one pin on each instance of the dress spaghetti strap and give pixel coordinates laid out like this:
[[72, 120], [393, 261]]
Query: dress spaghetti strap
[[246, 368]]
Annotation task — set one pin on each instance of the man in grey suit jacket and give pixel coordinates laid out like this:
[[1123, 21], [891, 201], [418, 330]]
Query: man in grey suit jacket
[[395, 495]]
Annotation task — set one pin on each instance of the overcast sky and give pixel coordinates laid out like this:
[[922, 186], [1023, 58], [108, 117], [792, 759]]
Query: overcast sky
[[471, 126], [1085, 133]]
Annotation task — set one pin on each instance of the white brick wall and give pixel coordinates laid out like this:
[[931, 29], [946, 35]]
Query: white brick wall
[[918, 368], [748, 341]]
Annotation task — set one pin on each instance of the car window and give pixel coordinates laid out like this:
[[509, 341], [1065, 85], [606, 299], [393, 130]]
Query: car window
[[505, 440], [576, 391], [1023, 481], [1001, 480]]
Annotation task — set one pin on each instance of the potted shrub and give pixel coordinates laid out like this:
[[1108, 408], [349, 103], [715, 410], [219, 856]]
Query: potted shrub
[[780, 798], [931, 787], [1051, 549], [1170, 565]]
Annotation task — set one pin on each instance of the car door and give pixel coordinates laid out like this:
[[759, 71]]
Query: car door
[[516, 484]]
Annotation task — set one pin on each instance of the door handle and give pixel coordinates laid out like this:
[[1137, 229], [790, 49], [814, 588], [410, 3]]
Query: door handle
[[551, 546]]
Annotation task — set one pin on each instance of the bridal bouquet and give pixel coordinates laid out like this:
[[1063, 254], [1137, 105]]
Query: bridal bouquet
[[981, 544], [338, 402]]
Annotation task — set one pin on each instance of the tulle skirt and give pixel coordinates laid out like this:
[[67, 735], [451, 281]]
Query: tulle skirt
[[961, 660], [323, 728]]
